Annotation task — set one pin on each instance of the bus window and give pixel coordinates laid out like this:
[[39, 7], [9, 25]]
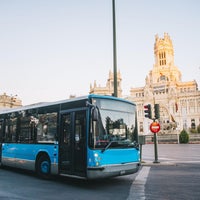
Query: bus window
[[79, 137], [66, 129], [115, 125], [80, 128], [47, 127], [10, 130], [1, 131], [26, 130]]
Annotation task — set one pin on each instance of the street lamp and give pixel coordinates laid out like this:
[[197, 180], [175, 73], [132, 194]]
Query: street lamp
[[114, 50]]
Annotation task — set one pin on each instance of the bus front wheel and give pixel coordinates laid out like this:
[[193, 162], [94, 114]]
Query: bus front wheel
[[43, 167]]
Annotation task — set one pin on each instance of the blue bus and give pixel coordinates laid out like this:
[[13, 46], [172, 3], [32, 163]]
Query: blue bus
[[87, 137]]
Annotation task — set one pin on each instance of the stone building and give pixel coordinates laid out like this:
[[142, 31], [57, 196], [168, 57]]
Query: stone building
[[179, 101], [109, 88], [7, 101]]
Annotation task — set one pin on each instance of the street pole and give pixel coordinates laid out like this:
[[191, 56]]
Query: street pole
[[155, 148], [155, 128], [114, 50]]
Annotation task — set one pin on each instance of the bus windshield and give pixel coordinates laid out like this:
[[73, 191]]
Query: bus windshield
[[114, 126]]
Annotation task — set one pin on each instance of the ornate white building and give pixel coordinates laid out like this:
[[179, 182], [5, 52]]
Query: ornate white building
[[109, 88], [179, 101], [7, 101]]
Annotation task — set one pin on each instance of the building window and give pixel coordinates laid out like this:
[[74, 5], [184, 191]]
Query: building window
[[191, 106], [162, 58], [193, 125], [163, 78]]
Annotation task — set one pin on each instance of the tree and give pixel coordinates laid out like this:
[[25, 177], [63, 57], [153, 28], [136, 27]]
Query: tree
[[198, 128], [184, 137]]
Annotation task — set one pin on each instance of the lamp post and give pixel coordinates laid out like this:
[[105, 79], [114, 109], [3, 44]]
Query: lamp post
[[114, 50]]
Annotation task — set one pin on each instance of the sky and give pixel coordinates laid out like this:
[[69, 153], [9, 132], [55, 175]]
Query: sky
[[51, 49]]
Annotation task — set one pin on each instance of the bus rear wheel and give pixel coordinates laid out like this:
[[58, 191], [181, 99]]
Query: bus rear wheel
[[43, 167]]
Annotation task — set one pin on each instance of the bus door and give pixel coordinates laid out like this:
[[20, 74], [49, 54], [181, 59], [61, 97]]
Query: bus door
[[72, 148], [1, 138]]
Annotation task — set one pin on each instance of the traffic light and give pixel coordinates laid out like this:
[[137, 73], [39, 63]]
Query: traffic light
[[157, 111], [147, 111]]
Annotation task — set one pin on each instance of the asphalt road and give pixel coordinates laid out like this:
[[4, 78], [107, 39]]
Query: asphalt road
[[181, 181], [177, 176], [20, 185]]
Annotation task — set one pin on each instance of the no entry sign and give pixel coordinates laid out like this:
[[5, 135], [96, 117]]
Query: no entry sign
[[155, 127]]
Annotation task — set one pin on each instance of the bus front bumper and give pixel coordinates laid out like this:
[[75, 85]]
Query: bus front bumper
[[112, 170]]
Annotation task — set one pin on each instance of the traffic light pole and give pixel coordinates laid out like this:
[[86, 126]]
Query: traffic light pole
[[157, 116], [155, 148], [155, 126]]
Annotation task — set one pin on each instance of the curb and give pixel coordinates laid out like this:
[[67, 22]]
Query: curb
[[159, 163]]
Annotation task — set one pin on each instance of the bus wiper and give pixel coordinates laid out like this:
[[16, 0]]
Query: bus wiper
[[108, 145], [134, 144]]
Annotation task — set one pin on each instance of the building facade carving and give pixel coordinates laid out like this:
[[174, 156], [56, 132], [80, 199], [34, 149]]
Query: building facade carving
[[109, 88], [179, 101], [7, 101]]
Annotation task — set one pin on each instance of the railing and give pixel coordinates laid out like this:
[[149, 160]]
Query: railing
[[194, 138], [172, 138]]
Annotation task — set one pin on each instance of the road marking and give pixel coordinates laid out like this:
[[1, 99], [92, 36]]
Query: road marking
[[137, 190], [188, 161]]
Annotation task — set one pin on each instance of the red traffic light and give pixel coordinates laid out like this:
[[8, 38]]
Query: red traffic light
[[147, 111], [146, 106]]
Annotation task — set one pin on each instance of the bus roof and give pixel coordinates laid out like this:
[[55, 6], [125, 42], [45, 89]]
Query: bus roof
[[44, 104]]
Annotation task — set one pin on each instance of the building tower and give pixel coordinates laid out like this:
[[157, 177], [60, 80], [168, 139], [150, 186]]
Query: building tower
[[109, 88], [164, 68], [179, 101]]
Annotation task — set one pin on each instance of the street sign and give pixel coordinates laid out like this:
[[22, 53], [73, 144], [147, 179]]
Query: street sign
[[155, 127]]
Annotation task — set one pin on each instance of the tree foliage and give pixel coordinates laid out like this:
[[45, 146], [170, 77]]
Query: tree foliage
[[198, 128], [184, 137]]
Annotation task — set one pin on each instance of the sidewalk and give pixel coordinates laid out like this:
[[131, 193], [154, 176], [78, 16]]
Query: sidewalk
[[159, 163]]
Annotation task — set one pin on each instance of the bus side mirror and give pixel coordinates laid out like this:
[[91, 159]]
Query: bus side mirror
[[95, 114]]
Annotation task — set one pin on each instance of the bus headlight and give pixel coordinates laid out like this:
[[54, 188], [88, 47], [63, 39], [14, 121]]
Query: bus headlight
[[97, 159]]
